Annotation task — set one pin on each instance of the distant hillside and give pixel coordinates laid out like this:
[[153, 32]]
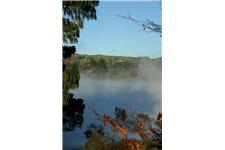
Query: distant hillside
[[115, 66]]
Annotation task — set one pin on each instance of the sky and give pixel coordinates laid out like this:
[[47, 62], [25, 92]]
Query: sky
[[113, 35]]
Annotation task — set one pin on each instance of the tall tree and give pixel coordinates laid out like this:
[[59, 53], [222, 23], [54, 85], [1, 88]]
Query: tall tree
[[74, 15]]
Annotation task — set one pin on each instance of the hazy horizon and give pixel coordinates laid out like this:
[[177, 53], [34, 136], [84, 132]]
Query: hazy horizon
[[95, 54]]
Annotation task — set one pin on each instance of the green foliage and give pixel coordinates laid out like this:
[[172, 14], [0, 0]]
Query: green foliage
[[117, 66], [122, 144], [93, 62], [74, 14], [151, 145], [102, 63], [65, 97], [71, 77], [97, 142], [102, 66]]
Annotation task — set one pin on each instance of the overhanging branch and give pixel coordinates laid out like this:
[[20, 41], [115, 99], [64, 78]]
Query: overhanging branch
[[148, 26]]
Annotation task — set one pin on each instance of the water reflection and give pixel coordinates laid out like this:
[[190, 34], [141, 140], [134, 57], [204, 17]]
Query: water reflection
[[107, 94], [73, 114]]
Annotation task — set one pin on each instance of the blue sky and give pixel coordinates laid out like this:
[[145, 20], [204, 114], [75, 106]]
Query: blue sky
[[112, 35]]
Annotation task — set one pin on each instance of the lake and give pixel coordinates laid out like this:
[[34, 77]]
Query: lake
[[136, 94]]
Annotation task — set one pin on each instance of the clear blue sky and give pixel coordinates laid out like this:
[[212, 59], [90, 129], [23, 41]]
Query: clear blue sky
[[112, 35]]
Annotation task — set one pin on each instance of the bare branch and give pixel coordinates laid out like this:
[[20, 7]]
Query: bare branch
[[148, 26]]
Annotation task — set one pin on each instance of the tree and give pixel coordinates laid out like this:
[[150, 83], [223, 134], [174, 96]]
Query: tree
[[74, 15], [102, 65]]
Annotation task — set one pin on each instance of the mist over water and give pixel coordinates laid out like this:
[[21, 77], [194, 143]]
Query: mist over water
[[106, 94], [141, 94]]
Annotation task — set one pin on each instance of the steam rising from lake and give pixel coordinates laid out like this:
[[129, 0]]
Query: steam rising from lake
[[141, 94], [106, 94]]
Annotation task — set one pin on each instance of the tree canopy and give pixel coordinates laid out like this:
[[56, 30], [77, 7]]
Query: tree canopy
[[74, 14]]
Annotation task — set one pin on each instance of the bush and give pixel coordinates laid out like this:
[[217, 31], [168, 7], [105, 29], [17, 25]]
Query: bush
[[148, 129]]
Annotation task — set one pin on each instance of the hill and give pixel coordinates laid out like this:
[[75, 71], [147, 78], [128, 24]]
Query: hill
[[115, 66]]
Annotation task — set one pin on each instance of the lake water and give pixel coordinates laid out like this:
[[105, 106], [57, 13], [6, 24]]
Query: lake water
[[141, 95]]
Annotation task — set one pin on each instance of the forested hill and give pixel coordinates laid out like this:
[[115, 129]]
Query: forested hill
[[117, 66]]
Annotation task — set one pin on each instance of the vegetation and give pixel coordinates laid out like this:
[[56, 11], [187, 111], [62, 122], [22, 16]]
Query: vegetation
[[73, 113], [113, 66], [71, 77], [74, 15], [113, 133]]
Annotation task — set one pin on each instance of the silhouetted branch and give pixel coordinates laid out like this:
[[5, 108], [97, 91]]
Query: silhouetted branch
[[148, 26]]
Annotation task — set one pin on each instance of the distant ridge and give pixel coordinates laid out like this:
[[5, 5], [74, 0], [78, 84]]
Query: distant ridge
[[105, 66], [104, 55]]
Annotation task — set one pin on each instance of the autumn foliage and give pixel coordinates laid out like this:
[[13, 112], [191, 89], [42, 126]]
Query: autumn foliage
[[114, 125], [113, 133]]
